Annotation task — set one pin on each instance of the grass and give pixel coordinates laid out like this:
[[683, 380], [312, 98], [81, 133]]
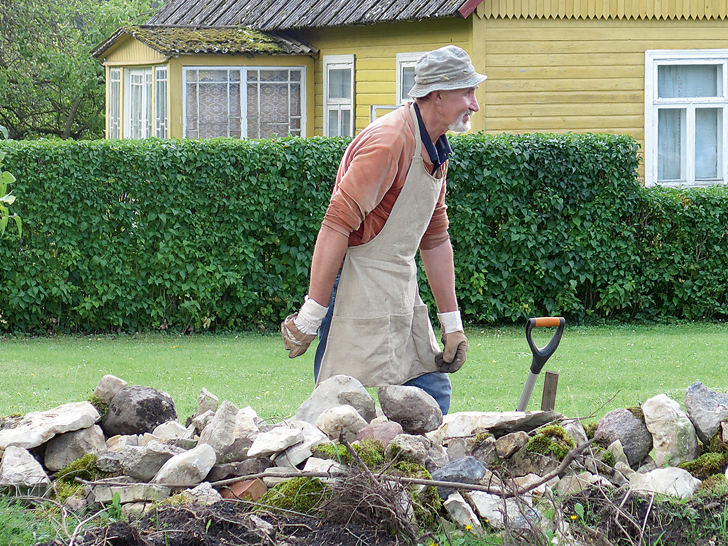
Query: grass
[[600, 368]]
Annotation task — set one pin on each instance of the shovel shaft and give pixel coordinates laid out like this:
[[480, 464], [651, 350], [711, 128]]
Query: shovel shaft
[[527, 390]]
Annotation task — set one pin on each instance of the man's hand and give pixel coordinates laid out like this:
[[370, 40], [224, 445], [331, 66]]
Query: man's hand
[[295, 341], [452, 358]]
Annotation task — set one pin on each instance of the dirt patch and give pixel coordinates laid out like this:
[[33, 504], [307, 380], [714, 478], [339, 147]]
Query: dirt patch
[[224, 524]]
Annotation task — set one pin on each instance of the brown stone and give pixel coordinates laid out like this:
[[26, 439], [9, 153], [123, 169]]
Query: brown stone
[[251, 490]]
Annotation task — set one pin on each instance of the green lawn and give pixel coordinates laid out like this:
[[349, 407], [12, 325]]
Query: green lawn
[[600, 368]]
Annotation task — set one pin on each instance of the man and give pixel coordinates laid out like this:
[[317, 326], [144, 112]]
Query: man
[[388, 202]]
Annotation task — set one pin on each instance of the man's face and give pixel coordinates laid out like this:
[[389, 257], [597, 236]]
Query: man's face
[[458, 105]]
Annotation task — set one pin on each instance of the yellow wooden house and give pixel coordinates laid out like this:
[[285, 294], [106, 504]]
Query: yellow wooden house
[[654, 69]]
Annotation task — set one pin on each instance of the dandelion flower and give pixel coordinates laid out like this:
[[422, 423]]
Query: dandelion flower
[[468, 527], [573, 517]]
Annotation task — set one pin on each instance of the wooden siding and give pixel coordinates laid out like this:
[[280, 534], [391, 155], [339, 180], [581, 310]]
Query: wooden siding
[[604, 9], [128, 51], [375, 48], [561, 75]]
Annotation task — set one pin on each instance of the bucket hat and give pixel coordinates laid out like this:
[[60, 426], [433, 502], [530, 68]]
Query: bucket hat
[[443, 69]]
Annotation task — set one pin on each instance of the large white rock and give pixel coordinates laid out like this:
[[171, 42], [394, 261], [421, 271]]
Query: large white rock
[[36, 428], [108, 387], [492, 507], [246, 423], [169, 430], [462, 514], [465, 423], [673, 435], [341, 420], [20, 469], [672, 481], [143, 462], [220, 431], [206, 401], [65, 448], [133, 492], [188, 468], [336, 391], [274, 441]]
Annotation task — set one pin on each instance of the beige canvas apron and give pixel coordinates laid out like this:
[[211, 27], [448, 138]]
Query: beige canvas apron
[[380, 331]]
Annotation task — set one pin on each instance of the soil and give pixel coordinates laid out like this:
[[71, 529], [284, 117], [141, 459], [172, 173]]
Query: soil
[[226, 524]]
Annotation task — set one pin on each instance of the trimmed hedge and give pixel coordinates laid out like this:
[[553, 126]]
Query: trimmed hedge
[[138, 235]]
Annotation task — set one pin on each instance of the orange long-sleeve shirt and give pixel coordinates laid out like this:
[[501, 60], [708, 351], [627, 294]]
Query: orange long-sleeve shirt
[[371, 176]]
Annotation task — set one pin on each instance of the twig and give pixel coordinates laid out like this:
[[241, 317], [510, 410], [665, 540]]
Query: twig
[[647, 515]]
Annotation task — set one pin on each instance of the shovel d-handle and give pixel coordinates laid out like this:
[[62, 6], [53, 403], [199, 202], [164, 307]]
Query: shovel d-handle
[[540, 356]]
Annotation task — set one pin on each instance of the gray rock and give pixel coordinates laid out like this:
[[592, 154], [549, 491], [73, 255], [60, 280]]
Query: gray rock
[[411, 407], [382, 432], [133, 492], [108, 387], [673, 435], [616, 449], [19, 470], [256, 465], [109, 461], [65, 448], [436, 458], [526, 462], [336, 391], [206, 401], [119, 442], [312, 436], [220, 431], [188, 468], [235, 452], [75, 504], [706, 409], [675, 482], [36, 428], [465, 470], [202, 420], [275, 441], [136, 410], [485, 450], [576, 430], [507, 445], [622, 425], [341, 420], [143, 463], [406, 448]]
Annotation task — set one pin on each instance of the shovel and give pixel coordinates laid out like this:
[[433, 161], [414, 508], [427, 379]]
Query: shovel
[[540, 356]]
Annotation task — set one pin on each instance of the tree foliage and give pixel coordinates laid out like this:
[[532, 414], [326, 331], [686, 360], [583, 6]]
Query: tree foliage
[[50, 85]]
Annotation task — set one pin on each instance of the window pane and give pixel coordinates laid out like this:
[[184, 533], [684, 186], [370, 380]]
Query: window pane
[[274, 75], [340, 83], [708, 124], [408, 80], [334, 123], [670, 144], [213, 114], [345, 122], [681, 81]]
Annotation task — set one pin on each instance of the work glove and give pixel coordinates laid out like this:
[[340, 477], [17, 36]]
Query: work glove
[[452, 358], [456, 344], [299, 329]]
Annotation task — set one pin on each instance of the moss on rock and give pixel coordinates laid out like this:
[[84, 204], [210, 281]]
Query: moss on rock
[[298, 494], [83, 468], [706, 465], [551, 440]]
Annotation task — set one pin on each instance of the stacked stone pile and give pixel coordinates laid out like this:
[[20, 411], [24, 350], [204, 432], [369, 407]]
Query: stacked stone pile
[[152, 455]]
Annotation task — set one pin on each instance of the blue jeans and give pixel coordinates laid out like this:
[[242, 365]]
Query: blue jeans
[[435, 384]]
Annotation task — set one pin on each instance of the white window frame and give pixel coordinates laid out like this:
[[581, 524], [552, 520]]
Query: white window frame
[[161, 95], [244, 93], [114, 106], [405, 60], [655, 58], [338, 62], [147, 74]]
